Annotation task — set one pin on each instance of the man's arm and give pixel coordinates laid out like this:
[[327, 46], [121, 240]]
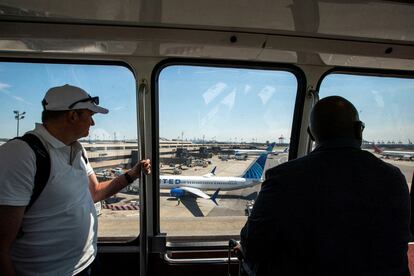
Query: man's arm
[[17, 173], [103, 190], [10, 220]]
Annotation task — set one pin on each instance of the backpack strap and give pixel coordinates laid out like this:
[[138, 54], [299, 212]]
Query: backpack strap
[[84, 157], [42, 166]]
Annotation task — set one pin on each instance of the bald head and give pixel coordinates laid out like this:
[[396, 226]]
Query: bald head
[[335, 117]]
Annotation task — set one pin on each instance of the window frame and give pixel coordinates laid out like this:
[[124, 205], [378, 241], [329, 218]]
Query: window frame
[[294, 138], [357, 71], [364, 72]]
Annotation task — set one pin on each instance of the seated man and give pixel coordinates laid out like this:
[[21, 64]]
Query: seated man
[[337, 211]]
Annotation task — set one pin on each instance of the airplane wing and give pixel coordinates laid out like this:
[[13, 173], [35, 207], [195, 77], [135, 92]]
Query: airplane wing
[[196, 192]]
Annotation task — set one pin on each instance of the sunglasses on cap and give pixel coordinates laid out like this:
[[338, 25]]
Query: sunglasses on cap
[[94, 100]]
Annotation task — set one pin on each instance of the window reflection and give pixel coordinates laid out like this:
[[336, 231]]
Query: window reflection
[[214, 124]]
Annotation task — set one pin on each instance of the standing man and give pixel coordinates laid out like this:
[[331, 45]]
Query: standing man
[[337, 211], [57, 235]]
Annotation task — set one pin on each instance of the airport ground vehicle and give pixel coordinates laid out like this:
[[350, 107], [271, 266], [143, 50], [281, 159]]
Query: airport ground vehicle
[[153, 42]]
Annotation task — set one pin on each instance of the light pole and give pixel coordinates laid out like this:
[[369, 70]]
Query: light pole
[[182, 139], [18, 116]]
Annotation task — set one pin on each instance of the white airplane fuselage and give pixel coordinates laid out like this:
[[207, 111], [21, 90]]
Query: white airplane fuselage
[[225, 183], [250, 152], [408, 155]]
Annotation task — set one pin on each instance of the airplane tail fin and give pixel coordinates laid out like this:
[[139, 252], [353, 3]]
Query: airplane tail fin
[[376, 149], [210, 174], [213, 171], [256, 169], [270, 147], [286, 150], [214, 196]]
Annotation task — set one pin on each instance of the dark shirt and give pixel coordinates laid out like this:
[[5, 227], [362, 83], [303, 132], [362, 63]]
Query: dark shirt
[[337, 211]]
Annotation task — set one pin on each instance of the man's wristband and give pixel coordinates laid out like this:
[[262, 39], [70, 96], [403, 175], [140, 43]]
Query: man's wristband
[[128, 178]]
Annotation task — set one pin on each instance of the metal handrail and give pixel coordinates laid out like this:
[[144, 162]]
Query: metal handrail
[[199, 260]]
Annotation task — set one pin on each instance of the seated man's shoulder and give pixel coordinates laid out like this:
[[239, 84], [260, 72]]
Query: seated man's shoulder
[[381, 165], [296, 165]]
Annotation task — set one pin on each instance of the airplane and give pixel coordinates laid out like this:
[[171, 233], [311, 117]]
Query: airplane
[[181, 185], [254, 151], [409, 155], [276, 152]]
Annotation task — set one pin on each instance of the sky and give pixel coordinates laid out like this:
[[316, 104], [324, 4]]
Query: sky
[[23, 86], [204, 103], [223, 104], [385, 105]]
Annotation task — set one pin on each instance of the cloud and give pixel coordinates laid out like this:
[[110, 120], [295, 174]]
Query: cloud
[[266, 93], [99, 133], [18, 98], [213, 92], [4, 87]]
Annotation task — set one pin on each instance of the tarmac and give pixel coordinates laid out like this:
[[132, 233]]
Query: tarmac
[[196, 216], [193, 216]]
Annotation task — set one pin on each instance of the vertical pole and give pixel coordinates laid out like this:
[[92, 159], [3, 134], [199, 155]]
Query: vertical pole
[[18, 119], [18, 116], [143, 236]]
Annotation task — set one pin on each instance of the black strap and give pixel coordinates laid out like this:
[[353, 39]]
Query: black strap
[[42, 166], [84, 157]]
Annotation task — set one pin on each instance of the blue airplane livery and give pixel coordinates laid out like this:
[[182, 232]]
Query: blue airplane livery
[[182, 185]]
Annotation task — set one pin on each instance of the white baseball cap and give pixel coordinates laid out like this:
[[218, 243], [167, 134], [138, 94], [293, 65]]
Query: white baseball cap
[[68, 97]]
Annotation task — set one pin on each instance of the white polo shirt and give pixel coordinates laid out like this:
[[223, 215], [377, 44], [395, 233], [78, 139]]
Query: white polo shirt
[[60, 229]]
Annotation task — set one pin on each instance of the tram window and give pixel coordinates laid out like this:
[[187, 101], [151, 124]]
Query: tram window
[[22, 87], [209, 113], [385, 105]]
